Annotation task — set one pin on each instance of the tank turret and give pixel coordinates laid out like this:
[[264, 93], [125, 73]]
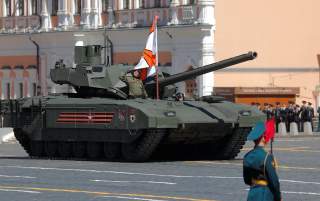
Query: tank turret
[[90, 78]]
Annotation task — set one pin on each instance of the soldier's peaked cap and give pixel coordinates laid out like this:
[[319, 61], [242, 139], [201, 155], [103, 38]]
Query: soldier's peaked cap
[[257, 131]]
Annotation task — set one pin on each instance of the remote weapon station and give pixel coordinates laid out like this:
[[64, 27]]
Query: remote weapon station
[[101, 120]]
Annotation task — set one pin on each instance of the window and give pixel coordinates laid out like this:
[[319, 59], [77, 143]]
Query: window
[[141, 3], [20, 90], [54, 7], [34, 7], [20, 7], [77, 4], [192, 2], [8, 91], [125, 4], [8, 8], [105, 5], [157, 3], [34, 89]]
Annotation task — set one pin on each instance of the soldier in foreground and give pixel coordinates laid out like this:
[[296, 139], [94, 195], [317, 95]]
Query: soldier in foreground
[[259, 170]]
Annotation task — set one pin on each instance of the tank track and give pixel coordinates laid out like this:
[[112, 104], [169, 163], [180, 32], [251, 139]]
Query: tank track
[[138, 151], [232, 144], [141, 150], [224, 148]]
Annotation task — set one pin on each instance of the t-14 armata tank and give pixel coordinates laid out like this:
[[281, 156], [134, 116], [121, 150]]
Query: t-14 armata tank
[[101, 120]]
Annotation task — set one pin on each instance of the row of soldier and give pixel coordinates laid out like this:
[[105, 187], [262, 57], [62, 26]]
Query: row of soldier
[[288, 113]]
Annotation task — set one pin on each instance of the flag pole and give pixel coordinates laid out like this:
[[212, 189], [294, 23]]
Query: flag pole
[[157, 77]]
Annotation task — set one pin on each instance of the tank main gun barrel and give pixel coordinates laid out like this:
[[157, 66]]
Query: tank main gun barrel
[[206, 69]]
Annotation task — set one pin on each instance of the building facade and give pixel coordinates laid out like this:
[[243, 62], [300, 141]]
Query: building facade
[[34, 34], [286, 36]]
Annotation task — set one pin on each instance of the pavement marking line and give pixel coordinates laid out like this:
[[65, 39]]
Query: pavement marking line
[[301, 182], [62, 190], [113, 172], [299, 168], [20, 191], [149, 182], [300, 193], [278, 148], [131, 198], [297, 139], [302, 150], [293, 192], [291, 149], [240, 164], [24, 177], [215, 163]]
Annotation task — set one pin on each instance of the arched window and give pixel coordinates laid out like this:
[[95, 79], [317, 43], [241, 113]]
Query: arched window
[[8, 91], [20, 7], [54, 7], [105, 5], [34, 7], [20, 90], [157, 3], [8, 7], [77, 4], [125, 4], [34, 89], [141, 3]]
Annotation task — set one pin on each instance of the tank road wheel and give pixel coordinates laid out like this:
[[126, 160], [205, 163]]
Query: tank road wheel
[[111, 150], [79, 149], [142, 148], [37, 148], [51, 149], [65, 149], [94, 150], [232, 144]]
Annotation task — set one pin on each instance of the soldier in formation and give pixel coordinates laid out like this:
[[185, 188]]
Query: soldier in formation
[[268, 110], [259, 171], [289, 113], [306, 114]]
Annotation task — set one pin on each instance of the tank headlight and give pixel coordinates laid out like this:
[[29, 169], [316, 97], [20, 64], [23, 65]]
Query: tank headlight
[[170, 114], [245, 113]]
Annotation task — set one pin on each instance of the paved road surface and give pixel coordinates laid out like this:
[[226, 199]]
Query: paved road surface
[[27, 179]]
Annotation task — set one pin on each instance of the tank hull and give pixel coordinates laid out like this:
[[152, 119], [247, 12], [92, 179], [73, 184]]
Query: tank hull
[[128, 129]]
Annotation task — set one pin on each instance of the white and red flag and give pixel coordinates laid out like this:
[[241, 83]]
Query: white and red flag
[[149, 60]]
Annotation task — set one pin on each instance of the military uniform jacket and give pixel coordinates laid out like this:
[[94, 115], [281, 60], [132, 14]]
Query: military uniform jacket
[[290, 114], [283, 114], [136, 87], [259, 165], [304, 113], [277, 114]]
